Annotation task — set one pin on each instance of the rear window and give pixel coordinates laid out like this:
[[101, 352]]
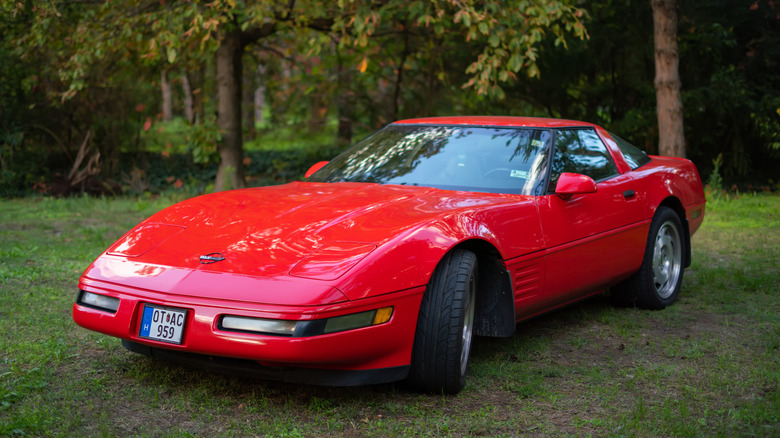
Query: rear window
[[634, 156]]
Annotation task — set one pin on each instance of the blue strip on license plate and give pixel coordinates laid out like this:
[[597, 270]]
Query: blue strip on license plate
[[164, 324]]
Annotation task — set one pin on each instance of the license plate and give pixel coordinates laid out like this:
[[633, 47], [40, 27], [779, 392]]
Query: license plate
[[164, 324]]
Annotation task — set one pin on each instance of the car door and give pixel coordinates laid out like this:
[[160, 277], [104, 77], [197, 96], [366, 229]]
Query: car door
[[592, 240]]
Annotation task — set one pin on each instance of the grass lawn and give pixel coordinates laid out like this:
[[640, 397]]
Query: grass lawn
[[707, 366]]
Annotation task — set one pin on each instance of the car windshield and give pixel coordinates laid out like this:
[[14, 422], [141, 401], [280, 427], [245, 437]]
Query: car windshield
[[481, 159]]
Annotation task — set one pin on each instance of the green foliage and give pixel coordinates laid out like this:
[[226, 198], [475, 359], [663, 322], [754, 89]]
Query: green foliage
[[165, 137], [715, 181], [276, 156], [17, 99], [279, 166], [88, 48], [202, 140], [10, 142], [728, 52], [503, 36], [147, 173], [731, 75], [69, 68]]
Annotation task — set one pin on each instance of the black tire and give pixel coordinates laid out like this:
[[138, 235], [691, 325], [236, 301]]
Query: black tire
[[445, 324], [657, 282]]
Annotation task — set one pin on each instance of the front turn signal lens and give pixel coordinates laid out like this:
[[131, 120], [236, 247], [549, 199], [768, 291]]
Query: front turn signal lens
[[383, 315], [358, 320]]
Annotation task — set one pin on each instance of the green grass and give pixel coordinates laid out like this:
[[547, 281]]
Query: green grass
[[707, 366]]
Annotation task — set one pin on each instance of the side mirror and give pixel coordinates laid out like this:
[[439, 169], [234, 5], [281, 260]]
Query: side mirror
[[573, 184], [314, 168]]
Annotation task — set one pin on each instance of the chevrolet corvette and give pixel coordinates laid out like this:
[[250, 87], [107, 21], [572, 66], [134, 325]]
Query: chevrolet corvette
[[383, 264]]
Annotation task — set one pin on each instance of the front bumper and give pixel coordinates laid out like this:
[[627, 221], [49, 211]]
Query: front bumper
[[386, 346], [252, 369]]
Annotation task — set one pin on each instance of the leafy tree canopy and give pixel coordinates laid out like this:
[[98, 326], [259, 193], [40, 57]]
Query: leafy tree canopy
[[79, 35]]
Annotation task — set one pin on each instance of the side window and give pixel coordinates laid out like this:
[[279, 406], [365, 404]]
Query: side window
[[580, 151], [634, 156]]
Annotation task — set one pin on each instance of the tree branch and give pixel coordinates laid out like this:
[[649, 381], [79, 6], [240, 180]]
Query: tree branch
[[276, 52], [253, 35]]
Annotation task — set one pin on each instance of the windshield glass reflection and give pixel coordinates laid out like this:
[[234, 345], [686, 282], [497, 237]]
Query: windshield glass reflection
[[482, 159]]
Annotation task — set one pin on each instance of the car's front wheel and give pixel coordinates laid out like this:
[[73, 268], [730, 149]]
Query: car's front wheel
[[445, 325], [658, 281]]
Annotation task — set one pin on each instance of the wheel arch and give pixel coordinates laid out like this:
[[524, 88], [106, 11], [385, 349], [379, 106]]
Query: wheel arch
[[674, 203], [495, 304]]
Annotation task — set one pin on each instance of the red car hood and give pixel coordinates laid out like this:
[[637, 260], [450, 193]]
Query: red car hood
[[268, 232]]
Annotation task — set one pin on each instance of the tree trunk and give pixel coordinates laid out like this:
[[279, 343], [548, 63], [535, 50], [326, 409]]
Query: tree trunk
[[671, 137], [345, 102], [260, 92], [399, 76], [167, 97], [318, 111], [200, 100], [248, 106], [189, 106], [230, 174]]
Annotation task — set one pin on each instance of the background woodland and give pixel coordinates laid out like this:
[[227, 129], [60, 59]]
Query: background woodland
[[135, 96]]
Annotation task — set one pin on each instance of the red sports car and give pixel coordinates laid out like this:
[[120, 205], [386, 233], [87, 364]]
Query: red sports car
[[383, 263]]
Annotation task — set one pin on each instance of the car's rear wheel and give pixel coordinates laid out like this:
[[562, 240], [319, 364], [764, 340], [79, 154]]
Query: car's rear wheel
[[445, 325], [658, 281]]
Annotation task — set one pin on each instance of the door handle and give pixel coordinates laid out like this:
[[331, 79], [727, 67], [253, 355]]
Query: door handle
[[629, 194]]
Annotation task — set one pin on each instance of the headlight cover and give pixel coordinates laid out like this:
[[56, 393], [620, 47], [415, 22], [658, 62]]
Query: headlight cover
[[300, 329], [143, 238], [98, 301], [332, 260]]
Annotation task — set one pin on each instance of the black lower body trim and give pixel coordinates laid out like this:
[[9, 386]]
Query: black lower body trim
[[249, 368]]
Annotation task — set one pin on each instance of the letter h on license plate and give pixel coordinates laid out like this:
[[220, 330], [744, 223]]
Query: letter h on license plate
[[164, 324]]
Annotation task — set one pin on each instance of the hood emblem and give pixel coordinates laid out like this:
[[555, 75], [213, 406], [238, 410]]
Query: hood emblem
[[214, 257]]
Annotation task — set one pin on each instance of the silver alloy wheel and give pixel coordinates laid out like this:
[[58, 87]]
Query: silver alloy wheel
[[667, 259], [468, 326]]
